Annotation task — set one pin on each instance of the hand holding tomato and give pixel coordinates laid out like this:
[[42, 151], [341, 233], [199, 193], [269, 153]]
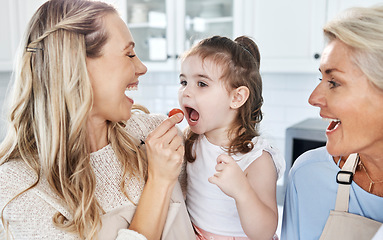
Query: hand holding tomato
[[175, 111]]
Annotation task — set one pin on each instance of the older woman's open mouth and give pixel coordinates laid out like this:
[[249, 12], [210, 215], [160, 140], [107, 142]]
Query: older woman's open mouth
[[334, 124]]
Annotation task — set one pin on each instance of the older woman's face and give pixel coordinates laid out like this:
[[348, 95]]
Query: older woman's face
[[351, 102]]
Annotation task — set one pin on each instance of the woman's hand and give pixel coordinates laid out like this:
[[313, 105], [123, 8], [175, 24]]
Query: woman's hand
[[165, 151]]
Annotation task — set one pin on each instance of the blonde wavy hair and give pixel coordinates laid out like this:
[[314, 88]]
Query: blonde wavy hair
[[361, 28], [52, 98]]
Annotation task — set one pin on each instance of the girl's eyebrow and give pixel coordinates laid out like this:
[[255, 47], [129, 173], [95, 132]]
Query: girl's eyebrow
[[203, 76], [196, 75]]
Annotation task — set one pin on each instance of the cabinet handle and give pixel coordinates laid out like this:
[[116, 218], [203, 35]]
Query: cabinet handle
[[316, 55], [174, 56]]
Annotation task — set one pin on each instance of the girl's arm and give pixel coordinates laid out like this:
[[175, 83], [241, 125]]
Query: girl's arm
[[254, 191], [257, 206], [165, 155]]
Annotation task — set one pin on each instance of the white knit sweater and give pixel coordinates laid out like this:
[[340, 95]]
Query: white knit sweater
[[29, 216]]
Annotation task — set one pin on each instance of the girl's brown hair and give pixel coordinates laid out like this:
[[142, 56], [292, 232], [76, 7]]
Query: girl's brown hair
[[241, 61]]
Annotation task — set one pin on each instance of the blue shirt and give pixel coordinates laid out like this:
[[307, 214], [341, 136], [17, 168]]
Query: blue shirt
[[311, 194]]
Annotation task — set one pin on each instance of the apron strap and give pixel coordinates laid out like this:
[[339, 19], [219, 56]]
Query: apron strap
[[344, 179]]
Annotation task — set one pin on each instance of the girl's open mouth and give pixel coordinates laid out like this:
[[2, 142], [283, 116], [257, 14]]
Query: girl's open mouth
[[192, 115]]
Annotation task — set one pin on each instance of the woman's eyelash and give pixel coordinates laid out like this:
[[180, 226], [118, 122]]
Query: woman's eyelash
[[333, 84], [131, 55]]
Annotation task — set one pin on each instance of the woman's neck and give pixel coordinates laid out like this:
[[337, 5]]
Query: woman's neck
[[373, 164], [98, 134]]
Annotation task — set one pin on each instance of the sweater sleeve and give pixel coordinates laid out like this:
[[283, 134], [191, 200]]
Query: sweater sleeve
[[127, 234], [141, 124], [28, 216]]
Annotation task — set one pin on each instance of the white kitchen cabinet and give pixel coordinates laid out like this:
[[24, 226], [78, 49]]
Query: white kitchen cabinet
[[336, 6], [9, 37], [14, 17], [289, 34], [165, 29]]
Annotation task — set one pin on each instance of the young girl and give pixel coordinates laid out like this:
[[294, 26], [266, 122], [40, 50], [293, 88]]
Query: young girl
[[231, 171]]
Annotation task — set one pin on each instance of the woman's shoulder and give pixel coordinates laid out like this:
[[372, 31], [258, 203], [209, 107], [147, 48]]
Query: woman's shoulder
[[16, 173], [312, 156], [311, 161], [15, 177]]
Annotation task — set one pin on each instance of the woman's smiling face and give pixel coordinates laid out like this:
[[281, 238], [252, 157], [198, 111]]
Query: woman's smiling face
[[352, 103], [115, 72]]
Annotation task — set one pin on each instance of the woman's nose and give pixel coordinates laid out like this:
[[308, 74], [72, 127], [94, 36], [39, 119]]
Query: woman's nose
[[317, 98], [141, 69]]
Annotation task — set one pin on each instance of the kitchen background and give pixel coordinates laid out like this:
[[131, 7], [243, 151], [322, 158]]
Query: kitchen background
[[288, 34]]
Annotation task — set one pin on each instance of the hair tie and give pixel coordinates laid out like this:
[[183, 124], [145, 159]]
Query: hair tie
[[33, 50], [244, 48]]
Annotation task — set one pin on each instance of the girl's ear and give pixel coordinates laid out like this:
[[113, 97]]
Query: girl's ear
[[239, 97]]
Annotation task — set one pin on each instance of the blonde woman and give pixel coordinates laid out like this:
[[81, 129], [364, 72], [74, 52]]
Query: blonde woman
[[331, 195], [76, 163]]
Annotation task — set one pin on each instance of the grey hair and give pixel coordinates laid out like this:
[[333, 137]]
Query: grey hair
[[361, 28]]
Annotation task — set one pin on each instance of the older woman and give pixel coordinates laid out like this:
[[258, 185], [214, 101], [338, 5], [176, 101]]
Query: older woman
[[350, 95], [74, 164]]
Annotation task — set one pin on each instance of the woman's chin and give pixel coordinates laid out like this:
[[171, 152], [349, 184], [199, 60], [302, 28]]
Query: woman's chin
[[126, 115], [336, 151]]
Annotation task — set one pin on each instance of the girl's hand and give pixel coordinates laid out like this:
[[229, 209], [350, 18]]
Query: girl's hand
[[229, 176], [165, 151]]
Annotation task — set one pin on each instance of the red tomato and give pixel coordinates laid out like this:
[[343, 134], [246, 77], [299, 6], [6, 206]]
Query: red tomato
[[175, 111]]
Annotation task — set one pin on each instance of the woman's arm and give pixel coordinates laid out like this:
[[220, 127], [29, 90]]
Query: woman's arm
[[165, 156], [290, 222]]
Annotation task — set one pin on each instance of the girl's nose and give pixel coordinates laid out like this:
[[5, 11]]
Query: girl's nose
[[184, 90]]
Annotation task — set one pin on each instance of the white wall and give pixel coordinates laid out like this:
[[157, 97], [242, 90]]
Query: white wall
[[4, 80]]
